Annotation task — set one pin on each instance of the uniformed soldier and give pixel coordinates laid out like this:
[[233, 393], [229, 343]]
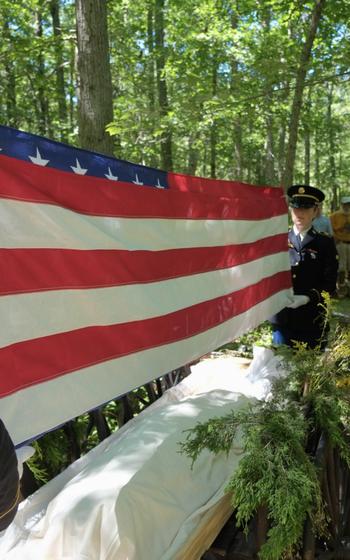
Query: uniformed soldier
[[314, 267]]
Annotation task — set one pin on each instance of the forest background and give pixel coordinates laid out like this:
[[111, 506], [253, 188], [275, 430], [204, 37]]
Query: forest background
[[250, 90]]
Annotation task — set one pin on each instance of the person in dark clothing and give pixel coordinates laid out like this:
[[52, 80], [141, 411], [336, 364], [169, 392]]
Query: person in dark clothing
[[9, 479], [314, 267]]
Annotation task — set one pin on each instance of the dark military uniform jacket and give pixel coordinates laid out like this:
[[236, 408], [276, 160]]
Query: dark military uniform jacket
[[9, 482], [314, 268]]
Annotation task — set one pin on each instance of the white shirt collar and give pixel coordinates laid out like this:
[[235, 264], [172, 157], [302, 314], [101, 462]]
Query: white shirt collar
[[301, 233]]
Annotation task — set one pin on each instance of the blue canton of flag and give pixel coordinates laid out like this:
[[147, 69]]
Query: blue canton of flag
[[48, 153]]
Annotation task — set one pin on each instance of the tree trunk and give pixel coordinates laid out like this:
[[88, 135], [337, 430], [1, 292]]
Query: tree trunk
[[150, 63], [269, 171], [95, 106], [43, 106], [10, 82], [213, 129], [60, 84], [281, 150], [307, 156], [237, 124], [192, 153], [72, 86], [151, 79], [317, 160], [213, 151], [166, 136], [238, 148], [307, 143], [269, 147], [281, 155], [331, 139], [298, 93]]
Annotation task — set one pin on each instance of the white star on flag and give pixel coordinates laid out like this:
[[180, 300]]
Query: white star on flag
[[78, 169], [158, 185], [110, 175], [137, 182], [38, 160]]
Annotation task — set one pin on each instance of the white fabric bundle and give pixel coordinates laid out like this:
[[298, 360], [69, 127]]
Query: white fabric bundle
[[135, 497]]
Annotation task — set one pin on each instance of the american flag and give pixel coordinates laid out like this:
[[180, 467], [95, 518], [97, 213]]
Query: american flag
[[113, 274]]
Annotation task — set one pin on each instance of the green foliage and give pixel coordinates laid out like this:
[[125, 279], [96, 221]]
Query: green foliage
[[261, 336], [50, 457], [276, 470]]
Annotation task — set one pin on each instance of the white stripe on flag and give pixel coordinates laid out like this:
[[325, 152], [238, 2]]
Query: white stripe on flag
[[26, 224], [44, 313], [80, 391]]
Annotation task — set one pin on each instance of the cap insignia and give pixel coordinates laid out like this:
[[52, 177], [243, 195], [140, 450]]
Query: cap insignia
[[301, 190]]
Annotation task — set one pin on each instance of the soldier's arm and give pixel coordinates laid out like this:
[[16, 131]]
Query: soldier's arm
[[9, 479], [330, 270]]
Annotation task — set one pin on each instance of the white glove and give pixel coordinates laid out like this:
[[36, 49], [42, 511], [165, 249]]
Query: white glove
[[23, 454], [298, 301]]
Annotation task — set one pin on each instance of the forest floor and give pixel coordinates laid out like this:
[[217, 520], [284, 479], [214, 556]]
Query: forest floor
[[341, 312], [343, 305]]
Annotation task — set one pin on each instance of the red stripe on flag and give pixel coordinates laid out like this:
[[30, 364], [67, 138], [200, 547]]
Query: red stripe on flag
[[32, 270], [27, 182], [220, 187], [33, 361]]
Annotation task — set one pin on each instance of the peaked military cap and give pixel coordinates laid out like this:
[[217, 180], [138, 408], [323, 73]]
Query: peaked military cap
[[304, 196]]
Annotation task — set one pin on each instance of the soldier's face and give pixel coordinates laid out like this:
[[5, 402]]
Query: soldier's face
[[302, 217]]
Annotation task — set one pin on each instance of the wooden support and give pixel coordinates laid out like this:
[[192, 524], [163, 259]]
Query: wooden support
[[207, 529], [346, 514], [261, 527], [159, 388], [225, 538], [74, 445], [151, 392], [29, 484], [308, 541], [100, 422], [333, 490]]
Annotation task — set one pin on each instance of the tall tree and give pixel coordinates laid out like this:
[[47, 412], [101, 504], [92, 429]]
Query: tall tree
[[331, 138], [237, 121], [95, 106], [307, 139], [10, 96], [166, 136], [213, 128], [60, 84], [298, 92], [42, 101]]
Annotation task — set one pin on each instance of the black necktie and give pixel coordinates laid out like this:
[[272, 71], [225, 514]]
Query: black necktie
[[298, 238]]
